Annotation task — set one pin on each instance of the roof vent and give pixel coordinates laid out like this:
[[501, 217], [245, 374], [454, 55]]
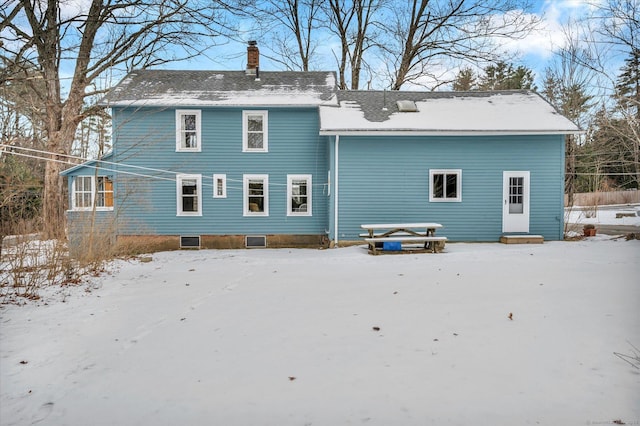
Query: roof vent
[[407, 106]]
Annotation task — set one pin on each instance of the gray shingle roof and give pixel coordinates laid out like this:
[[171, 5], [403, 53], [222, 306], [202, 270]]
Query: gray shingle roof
[[498, 112], [378, 105], [202, 88]]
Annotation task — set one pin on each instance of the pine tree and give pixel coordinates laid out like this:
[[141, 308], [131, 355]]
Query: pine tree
[[465, 80], [628, 85], [503, 76]]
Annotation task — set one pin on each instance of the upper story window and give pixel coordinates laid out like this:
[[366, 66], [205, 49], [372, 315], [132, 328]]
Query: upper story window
[[87, 190], [255, 131], [445, 185], [189, 195], [299, 195], [256, 195], [188, 135]]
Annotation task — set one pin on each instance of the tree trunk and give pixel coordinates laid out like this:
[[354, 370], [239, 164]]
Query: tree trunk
[[54, 203], [570, 181]]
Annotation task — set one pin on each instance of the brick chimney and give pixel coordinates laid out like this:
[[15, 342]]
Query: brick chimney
[[253, 58]]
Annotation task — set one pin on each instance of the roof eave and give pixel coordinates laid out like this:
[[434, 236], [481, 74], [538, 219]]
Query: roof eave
[[139, 104], [405, 132]]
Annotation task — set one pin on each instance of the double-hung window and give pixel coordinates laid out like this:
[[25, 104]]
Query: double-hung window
[[189, 195], [256, 195], [188, 130], [299, 195], [219, 186], [445, 185], [255, 131], [87, 190]]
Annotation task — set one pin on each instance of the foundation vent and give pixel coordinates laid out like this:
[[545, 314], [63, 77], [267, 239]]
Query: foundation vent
[[255, 241], [189, 242]]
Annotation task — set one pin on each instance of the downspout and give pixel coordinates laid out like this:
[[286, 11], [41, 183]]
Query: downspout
[[335, 192]]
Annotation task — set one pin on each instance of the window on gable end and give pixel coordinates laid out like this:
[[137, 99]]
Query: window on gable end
[[255, 131], [445, 185], [188, 130]]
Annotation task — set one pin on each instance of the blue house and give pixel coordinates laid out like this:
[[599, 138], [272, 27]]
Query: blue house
[[228, 159]]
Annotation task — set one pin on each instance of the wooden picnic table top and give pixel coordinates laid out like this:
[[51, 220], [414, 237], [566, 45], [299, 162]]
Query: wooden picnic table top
[[379, 226]]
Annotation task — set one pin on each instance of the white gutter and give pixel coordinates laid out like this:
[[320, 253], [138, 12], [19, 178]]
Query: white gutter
[[335, 193], [369, 132]]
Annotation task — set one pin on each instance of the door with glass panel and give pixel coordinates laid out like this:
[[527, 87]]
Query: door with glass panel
[[515, 201]]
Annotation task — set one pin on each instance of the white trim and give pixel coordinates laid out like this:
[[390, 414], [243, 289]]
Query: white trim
[[411, 132], [309, 208], [179, 179], [223, 178], [245, 195], [335, 171], [179, 114], [445, 199], [265, 130]]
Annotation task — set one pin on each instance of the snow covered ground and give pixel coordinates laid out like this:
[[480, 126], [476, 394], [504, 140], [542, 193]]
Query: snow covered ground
[[604, 215], [334, 337]]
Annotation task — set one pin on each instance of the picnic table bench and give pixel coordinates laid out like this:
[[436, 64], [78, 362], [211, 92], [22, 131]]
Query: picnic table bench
[[408, 233]]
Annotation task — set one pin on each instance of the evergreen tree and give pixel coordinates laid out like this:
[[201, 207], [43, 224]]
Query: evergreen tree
[[503, 76], [465, 80], [628, 85]]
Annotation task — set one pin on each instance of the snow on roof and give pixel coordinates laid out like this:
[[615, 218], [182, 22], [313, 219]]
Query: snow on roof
[[377, 112], [216, 88]]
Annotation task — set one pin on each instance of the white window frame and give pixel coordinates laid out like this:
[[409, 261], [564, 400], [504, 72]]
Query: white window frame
[[444, 198], [245, 130], [179, 132], [179, 179], [92, 191], [245, 195], [290, 195], [222, 178]]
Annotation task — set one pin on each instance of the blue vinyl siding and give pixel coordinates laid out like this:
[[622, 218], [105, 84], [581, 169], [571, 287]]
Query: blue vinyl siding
[[146, 137], [381, 179], [386, 179]]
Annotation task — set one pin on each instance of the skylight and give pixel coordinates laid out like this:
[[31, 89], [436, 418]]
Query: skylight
[[407, 106]]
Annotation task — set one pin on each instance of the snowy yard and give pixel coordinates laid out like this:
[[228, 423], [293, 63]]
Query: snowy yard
[[334, 337], [605, 215]]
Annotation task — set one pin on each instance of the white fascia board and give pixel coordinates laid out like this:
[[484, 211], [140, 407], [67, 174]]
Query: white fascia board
[[447, 132]]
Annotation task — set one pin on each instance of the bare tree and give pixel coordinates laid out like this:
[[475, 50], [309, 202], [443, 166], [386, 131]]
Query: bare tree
[[352, 21], [288, 27], [616, 25], [423, 32], [59, 38], [569, 87]]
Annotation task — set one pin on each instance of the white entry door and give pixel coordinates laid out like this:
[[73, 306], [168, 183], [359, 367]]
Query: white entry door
[[515, 203]]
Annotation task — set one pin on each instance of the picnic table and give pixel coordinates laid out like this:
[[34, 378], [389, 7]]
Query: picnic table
[[408, 233]]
